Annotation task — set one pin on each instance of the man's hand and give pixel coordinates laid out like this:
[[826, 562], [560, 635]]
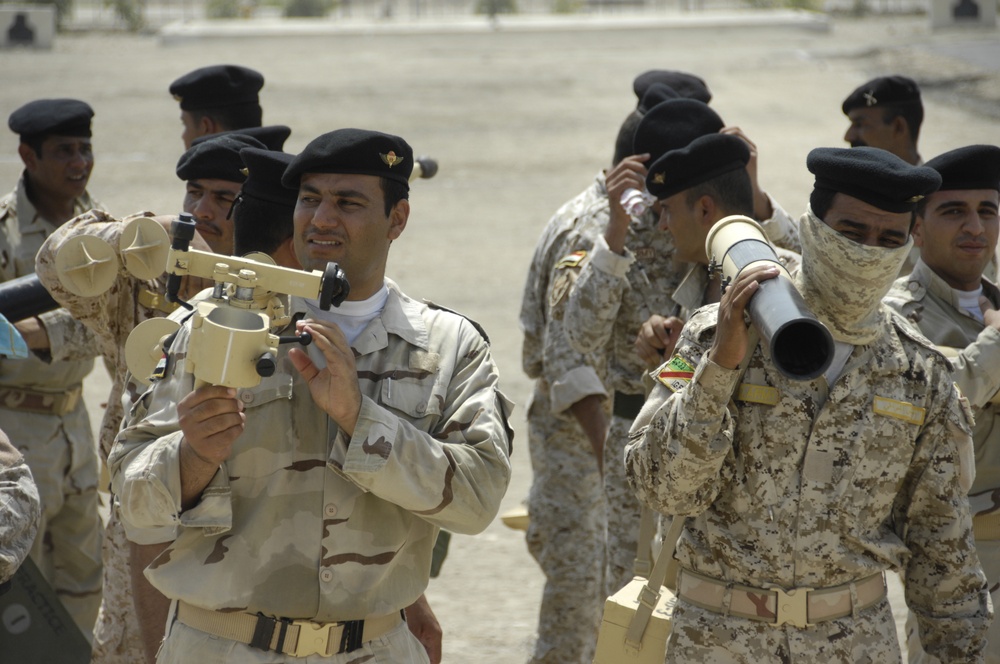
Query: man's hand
[[630, 173], [335, 387], [211, 419], [761, 203], [657, 338], [731, 336], [33, 332], [991, 317], [424, 625]]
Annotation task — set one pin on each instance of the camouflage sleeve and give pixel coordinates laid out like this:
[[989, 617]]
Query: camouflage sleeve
[[455, 475], [571, 375], [69, 338], [145, 463], [19, 509], [945, 585], [680, 451], [596, 297], [781, 229], [100, 312]]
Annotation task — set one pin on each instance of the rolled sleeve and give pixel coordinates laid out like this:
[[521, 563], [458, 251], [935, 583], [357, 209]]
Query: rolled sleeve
[[610, 262], [573, 386]]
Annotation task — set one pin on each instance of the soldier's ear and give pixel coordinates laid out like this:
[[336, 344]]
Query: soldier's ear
[[28, 156], [397, 218], [918, 231]]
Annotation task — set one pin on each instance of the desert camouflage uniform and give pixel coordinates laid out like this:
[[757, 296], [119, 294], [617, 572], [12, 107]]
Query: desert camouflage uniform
[[930, 303], [112, 315], [827, 486], [59, 449], [610, 301], [19, 509], [301, 521], [566, 531]]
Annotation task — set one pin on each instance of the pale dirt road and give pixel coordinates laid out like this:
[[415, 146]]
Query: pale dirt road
[[520, 122]]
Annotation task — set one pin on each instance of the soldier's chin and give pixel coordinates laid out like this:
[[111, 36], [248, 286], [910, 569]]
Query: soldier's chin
[[858, 144]]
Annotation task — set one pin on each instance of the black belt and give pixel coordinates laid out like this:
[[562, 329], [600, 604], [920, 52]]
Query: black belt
[[627, 406]]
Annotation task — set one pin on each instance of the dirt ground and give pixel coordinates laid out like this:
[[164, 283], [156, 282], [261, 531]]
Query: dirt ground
[[520, 121]]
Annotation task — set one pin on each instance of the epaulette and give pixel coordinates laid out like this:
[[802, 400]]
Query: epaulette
[[913, 333], [479, 328], [701, 326]]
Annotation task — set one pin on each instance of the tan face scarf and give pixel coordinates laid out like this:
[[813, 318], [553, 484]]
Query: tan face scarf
[[843, 282]]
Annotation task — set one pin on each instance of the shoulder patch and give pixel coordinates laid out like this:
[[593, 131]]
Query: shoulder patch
[[909, 330], [572, 260], [675, 373], [479, 328]]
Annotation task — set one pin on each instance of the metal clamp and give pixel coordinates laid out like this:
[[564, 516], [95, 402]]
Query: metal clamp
[[792, 607]]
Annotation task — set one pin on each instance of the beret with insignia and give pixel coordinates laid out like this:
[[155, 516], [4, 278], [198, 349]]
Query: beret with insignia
[[264, 208], [684, 84], [703, 159], [272, 136], [884, 91], [353, 151], [971, 167], [673, 124], [44, 117], [873, 176], [217, 86], [217, 158], [264, 170], [655, 94]]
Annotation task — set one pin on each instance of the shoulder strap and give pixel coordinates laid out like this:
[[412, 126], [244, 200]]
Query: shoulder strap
[[650, 592]]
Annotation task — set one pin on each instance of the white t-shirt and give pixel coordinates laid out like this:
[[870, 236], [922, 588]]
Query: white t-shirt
[[969, 301], [351, 317]]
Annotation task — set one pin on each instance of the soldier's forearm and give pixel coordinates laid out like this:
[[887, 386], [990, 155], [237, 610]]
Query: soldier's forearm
[[589, 414], [151, 606]]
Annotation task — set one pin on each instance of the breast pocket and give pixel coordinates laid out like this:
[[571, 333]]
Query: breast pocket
[[270, 441], [413, 398]]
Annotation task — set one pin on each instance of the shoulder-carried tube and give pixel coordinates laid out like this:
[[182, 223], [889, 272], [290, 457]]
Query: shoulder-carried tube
[[800, 345], [24, 297]]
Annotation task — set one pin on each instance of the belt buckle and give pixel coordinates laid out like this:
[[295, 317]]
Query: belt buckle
[[314, 639], [792, 607]]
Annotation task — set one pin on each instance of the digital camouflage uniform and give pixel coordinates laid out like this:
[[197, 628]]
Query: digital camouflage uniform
[[567, 526], [610, 301], [927, 301], [56, 438], [302, 522], [812, 486], [112, 315], [19, 509], [613, 296]]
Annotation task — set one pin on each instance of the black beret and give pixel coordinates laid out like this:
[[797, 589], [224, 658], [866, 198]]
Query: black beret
[[971, 167], [655, 94], [272, 136], [672, 125], [63, 117], [264, 169], [894, 90], [354, 151], [873, 176], [685, 85], [217, 158], [703, 159], [217, 86]]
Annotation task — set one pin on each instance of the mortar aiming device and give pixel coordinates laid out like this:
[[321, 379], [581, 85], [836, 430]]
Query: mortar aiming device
[[232, 330], [800, 345]]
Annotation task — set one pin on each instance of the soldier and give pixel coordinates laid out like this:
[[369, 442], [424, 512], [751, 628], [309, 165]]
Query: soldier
[[886, 113], [567, 418], [216, 99], [955, 306], [799, 495], [40, 396], [215, 167], [630, 275], [302, 513], [19, 505]]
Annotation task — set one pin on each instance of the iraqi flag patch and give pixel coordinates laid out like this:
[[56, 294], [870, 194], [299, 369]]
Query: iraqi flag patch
[[676, 373]]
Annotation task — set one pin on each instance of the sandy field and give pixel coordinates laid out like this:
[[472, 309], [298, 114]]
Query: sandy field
[[520, 121]]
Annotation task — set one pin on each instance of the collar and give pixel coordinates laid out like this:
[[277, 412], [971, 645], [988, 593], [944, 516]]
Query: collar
[[401, 316], [28, 219], [939, 288], [690, 293]]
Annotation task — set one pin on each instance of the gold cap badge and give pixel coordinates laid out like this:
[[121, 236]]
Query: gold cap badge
[[915, 199], [245, 171], [659, 178], [391, 159]]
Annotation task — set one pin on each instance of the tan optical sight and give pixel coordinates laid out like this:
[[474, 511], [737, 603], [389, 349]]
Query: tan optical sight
[[232, 342], [800, 345]]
